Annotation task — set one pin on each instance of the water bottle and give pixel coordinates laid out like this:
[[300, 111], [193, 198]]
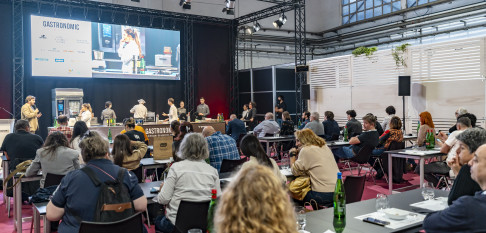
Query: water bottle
[[211, 211], [339, 200]]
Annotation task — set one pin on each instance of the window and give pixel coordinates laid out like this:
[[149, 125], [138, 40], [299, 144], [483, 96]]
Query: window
[[412, 3], [356, 10]]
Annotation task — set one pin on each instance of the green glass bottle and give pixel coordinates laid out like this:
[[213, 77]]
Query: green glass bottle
[[142, 65], [345, 134], [110, 138], [418, 127], [211, 211], [339, 200]]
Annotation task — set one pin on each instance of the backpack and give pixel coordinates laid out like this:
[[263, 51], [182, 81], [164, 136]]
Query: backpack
[[114, 202]]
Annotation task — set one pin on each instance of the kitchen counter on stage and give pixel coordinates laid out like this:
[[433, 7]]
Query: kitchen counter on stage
[[156, 130]]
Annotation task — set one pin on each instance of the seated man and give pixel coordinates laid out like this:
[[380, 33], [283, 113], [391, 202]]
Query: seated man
[[268, 126], [467, 213], [315, 125], [448, 145], [75, 199], [305, 119], [221, 146], [368, 138], [469, 141], [354, 126], [235, 128], [63, 127]]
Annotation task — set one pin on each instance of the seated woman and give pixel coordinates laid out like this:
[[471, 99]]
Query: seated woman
[[76, 197], [240, 208], [288, 127], [190, 179], [394, 134], [369, 137], [55, 157], [184, 128], [331, 127], [79, 129], [251, 147], [426, 124], [128, 153], [316, 161]]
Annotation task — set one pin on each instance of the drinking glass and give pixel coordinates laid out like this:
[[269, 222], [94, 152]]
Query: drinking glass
[[341, 138], [301, 217], [428, 191], [285, 162], [382, 202], [194, 231]]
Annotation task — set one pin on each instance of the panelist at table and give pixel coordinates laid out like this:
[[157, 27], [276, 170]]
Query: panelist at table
[[202, 109]]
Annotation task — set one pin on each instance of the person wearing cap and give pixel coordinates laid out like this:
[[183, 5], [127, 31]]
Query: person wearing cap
[[139, 110], [108, 113], [202, 109]]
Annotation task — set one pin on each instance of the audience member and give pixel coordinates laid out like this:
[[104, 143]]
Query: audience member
[[131, 131], [267, 127], [394, 134], [190, 179], [174, 128], [252, 148], [235, 128], [221, 146], [184, 128], [390, 112], [288, 127], [55, 157], [459, 112], [331, 127], [426, 124], [354, 126], [315, 125], [127, 153], [75, 199], [369, 137], [467, 213], [247, 207], [79, 130], [305, 119], [471, 117], [469, 141], [315, 160], [448, 145], [63, 127]]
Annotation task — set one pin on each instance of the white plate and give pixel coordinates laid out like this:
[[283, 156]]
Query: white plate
[[396, 214]]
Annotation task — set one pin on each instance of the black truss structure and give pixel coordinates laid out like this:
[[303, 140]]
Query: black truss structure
[[189, 71], [234, 90], [267, 12], [18, 57], [300, 56]]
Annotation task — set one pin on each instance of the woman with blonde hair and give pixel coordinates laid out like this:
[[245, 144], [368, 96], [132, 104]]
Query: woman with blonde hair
[[315, 160], [130, 49], [86, 113], [245, 208]]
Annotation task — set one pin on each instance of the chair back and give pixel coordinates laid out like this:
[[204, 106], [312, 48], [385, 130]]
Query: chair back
[[363, 155], [230, 165], [139, 173], [353, 187], [131, 224], [52, 179], [191, 215]]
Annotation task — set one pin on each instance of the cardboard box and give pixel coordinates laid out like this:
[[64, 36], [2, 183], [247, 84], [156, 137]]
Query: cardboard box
[[163, 147]]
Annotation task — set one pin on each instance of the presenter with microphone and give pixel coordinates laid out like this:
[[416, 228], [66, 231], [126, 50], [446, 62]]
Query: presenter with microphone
[[30, 113]]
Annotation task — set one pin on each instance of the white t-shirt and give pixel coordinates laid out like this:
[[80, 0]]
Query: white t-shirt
[[173, 113], [452, 142]]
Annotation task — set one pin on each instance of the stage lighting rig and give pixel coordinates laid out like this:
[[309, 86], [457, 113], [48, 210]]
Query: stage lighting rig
[[186, 4], [230, 7], [280, 21], [256, 27]]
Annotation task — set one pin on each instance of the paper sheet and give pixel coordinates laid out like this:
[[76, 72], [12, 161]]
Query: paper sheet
[[436, 204], [419, 152], [286, 172], [395, 224]]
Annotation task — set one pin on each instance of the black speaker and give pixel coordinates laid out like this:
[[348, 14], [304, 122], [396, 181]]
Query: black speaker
[[403, 85], [305, 91]]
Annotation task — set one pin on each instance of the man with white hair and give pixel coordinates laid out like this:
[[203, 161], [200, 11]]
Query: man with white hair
[[139, 110], [221, 146], [315, 125], [268, 126], [235, 128], [459, 113], [466, 214]]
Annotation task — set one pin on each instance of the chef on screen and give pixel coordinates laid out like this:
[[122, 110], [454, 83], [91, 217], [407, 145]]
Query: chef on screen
[[129, 48]]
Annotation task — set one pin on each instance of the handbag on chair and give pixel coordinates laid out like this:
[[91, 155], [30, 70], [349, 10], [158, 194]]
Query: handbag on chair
[[300, 187]]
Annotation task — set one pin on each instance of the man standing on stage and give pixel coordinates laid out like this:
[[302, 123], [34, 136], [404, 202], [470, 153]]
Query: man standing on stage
[[279, 109], [30, 113], [139, 110], [202, 109], [172, 111]]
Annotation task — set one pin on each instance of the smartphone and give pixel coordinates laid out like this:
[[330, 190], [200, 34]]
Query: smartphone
[[376, 221]]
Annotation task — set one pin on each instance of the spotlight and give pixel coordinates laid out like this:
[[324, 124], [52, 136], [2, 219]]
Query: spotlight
[[256, 27], [249, 30], [280, 21], [186, 4], [230, 7]]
